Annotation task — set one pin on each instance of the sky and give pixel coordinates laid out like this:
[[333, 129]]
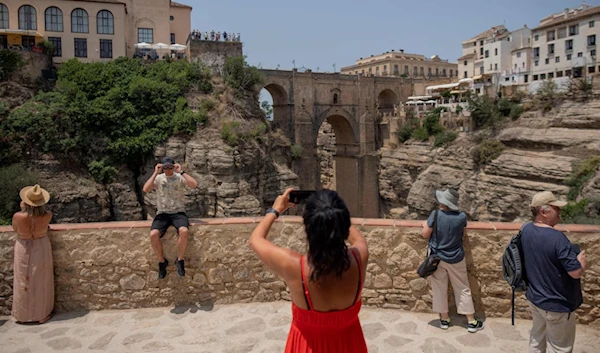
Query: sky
[[319, 34]]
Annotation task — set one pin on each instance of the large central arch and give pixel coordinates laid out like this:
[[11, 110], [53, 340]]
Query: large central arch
[[282, 115]]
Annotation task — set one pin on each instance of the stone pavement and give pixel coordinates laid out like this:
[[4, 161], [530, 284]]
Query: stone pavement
[[256, 327]]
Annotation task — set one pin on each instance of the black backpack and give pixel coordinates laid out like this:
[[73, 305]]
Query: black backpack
[[513, 267]]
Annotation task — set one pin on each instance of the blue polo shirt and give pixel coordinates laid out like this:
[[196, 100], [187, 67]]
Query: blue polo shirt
[[548, 258], [447, 243]]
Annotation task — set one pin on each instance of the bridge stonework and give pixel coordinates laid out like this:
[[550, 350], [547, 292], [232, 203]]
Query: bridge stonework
[[302, 101]]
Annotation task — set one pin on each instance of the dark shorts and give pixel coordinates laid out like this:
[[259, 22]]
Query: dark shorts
[[162, 222]]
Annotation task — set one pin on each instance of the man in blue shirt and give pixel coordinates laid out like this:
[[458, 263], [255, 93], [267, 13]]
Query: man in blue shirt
[[553, 269]]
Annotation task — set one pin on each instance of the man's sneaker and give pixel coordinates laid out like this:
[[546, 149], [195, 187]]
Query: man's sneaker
[[475, 326], [180, 267], [444, 324], [162, 269]]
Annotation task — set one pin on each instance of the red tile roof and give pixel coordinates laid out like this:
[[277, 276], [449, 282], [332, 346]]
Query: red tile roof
[[571, 17], [104, 1], [485, 34], [176, 4]]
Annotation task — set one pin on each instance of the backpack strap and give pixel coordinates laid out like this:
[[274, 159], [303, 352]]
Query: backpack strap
[[434, 232]]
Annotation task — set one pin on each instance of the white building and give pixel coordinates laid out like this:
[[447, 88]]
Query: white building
[[564, 45]]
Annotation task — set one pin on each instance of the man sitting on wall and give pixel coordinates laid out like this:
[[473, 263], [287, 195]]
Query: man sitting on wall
[[170, 210]]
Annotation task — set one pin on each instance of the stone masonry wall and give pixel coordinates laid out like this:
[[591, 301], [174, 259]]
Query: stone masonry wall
[[212, 53], [112, 266]]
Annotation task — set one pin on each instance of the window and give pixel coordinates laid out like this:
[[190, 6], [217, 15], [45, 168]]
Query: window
[[481, 69], [557, 59], [480, 42], [370, 69], [79, 21], [559, 74], [535, 77], [106, 49], [54, 19], [536, 37], [437, 72], [526, 78], [495, 66], [27, 18], [547, 61], [465, 74], [173, 41], [518, 54], [562, 32], [416, 71], [146, 35], [171, 18], [335, 98], [551, 75], [536, 52], [550, 49], [568, 73], [27, 41], [405, 69], [487, 53], [57, 44], [481, 51], [3, 16], [443, 72], [591, 69], [569, 44], [593, 52], [550, 35], [3, 41], [536, 63], [515, 66], [569, 56], [465, 63], [506, 79], [574, 30], [496, 52], [377, 71], [580, 55], [428, 71], [105, 22], [490, 67], [592, 24], [591, 40], [542, 76], [422, 71], [80, 48]]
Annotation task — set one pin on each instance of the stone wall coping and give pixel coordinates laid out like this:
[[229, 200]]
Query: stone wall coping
[[372, 222]]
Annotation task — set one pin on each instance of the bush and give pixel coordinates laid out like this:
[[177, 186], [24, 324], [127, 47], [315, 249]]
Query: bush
[[444, 137], [515, 111], [102, 172], [420, 134], [575, 213], [4, 109], [12, 179], [431, 122], [487, 151], [405, 132], [296, 150], [10, 62], [239, 75], [504, 107], [581, 174], [459, 109], [258, 130], [483, 112]]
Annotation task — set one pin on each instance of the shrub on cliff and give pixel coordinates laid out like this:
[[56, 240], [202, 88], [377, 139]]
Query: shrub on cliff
[[239, 75], [12, 179], [487, 151], [484, 112], [444, 138], [116, 112], [10, 62], [581, 174]]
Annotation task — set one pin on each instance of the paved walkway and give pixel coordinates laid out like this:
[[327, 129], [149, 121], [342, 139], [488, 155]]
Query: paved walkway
[[257, 327]]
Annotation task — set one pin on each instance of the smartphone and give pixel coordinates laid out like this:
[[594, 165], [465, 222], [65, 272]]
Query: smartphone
[[576, 248], [299, 196]]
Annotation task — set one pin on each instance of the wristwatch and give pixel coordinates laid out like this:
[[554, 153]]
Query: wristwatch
[[182, 172], [272, 210]]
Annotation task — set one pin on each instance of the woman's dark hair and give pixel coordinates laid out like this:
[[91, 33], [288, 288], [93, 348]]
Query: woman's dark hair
[[327, 225]]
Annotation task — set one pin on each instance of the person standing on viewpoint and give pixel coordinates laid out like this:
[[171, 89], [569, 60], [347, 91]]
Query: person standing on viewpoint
[[33, 283], [326, 283], [170, 210], [447, 243], [553, 269]]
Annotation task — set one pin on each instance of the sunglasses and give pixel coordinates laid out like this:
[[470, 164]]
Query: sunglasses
[[167, 167]]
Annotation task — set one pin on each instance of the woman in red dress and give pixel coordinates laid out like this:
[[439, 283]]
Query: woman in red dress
[[326, 283]]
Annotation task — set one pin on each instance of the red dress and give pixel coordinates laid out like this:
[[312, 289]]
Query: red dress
[[326, 332]]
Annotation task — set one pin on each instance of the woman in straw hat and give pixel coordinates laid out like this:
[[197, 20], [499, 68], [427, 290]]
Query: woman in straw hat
[[33, 286]]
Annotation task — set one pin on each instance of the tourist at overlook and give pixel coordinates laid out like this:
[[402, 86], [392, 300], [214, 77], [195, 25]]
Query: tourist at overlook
[[553, 268], [225, 36], [446, 241], [325, 284], [33, 283], [170, 210], [212, 34]]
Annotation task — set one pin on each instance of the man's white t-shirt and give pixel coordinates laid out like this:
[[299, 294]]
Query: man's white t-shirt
[[170, 196]]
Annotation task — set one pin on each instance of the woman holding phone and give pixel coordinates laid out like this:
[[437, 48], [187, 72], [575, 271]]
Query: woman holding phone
[[326, 283]]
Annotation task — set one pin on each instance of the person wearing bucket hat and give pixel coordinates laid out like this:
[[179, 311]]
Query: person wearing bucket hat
[[33, 282], [447, 243], [553, 267], [170, 210]]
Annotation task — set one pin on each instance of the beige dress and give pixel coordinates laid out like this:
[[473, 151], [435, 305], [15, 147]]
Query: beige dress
[[33, 285]]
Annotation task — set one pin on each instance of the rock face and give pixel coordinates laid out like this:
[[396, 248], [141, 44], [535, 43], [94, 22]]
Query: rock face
[[115, 268], [540, 154], [325, 153]]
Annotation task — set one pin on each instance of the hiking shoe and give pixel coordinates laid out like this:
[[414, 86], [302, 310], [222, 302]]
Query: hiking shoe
[[180, 267], [475, 326], [444, 324], [162, 269]]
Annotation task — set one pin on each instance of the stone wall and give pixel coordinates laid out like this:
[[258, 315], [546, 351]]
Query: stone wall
[[111, 266], [212, 53]]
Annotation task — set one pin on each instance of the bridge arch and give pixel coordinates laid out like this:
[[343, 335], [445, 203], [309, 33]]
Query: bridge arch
[[344, 125], [282, 109], [387, 99]]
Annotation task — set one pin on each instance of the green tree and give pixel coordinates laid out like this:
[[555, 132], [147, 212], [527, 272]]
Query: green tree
[[239, 75], [268, 109], [12, 179]]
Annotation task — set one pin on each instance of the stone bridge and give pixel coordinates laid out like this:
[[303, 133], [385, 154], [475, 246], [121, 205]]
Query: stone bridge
[[352, 104]]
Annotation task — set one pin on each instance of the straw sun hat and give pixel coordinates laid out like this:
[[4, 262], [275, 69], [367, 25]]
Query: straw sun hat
[[34, 196]]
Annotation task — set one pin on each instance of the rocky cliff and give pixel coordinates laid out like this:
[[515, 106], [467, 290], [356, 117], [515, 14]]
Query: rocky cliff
[[541, 151]]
